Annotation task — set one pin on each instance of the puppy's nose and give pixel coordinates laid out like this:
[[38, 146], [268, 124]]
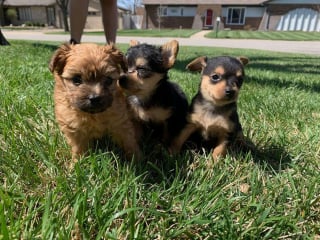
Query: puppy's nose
[[95, 99], [123, 81], [229, 92]]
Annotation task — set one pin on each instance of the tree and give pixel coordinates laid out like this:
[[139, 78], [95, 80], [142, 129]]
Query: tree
[[3, 40], [1, 13], [12, 15], [64, 6]]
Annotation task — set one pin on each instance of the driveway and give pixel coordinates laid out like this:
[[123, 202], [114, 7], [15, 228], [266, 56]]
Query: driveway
[[305, 47]]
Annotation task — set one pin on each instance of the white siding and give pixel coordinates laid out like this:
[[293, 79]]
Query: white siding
[[178, 11], [189, 11], [301, 19], [294, 2], [255, 11]]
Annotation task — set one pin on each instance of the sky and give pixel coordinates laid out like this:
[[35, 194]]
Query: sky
[[126, 4]]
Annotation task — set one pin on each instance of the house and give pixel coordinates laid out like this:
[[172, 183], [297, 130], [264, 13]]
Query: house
[[283, 15], [48, 13], [35, 12]]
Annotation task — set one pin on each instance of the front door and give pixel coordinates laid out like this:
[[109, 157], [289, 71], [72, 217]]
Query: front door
[[209, 17]]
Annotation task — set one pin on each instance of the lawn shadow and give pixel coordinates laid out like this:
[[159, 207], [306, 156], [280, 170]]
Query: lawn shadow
[[156, 166], [52, 47], [271, 157], [276, 158], [301, 65], [292, 64]]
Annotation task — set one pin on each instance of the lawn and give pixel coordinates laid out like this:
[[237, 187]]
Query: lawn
[[267, 35], [232, 34], [181, 33], [272, 192]]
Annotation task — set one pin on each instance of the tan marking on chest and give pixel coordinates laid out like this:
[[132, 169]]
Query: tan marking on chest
[[211, 124], [154, 114]]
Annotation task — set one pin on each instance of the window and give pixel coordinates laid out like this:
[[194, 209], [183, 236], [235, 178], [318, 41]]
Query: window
[[173, 11], [24, 14], [235, 16], [51, 16], [163, 11]]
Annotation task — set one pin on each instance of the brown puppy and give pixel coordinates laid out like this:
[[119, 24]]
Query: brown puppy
[[213, 112], [88, 102]]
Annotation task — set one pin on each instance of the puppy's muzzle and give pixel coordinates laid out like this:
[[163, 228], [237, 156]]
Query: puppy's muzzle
[[229, 93], [123, 81], [95, 103], [95, 100]]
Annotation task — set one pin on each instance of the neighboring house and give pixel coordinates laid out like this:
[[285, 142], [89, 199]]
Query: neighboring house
[[286, 15], [36, 12], [47, 13], [301, 15]]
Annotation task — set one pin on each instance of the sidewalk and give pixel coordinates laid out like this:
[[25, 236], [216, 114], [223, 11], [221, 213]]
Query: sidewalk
[[304, 47]]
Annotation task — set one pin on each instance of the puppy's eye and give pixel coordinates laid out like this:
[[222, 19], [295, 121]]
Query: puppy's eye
[[239, 81], [76, 80], [143, 72], [107, 80], [215, 77], [141, 69]]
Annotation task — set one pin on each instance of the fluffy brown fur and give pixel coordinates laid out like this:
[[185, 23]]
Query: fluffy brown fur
[[213, 112], [88, 102]]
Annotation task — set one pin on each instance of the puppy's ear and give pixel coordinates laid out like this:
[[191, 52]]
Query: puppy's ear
[[133, 43], [198, 64], [169, 53], [59, 58], [243, 60], [117, 56]]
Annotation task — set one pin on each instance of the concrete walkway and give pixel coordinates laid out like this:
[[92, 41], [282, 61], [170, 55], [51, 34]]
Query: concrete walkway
[[305, 47]]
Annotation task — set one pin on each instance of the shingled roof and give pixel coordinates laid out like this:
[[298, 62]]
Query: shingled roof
[[29, 2], [197, 2]]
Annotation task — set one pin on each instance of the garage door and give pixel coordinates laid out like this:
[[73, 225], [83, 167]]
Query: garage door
[[301, 19]]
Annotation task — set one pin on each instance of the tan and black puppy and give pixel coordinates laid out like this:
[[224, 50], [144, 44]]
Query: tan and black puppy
[[213, 111], [88, 101], [155, 100]]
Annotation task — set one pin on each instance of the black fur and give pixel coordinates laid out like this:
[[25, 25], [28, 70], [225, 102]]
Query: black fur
[[229, 110], [166, 95]]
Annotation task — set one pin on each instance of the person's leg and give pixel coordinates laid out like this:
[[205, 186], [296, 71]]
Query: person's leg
[[78, 17], [110, 19]]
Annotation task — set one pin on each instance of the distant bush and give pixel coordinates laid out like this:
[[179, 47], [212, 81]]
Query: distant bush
[[28, 24], [34, 24], [12, 14]]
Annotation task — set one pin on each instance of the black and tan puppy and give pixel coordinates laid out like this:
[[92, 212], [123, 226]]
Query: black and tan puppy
[[213, 111], [155, 100]]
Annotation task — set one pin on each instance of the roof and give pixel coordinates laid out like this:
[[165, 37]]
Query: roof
[[19, 3], [197, 2], [29, 2]]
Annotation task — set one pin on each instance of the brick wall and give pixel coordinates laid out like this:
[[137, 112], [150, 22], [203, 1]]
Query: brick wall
[[251, 23], [152, 19]]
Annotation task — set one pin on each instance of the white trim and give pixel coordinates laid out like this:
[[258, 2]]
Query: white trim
[[240, 22]]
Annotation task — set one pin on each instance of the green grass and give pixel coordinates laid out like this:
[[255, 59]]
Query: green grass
[[271, 193], [183, 33], [232, 34], [267, 35]]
